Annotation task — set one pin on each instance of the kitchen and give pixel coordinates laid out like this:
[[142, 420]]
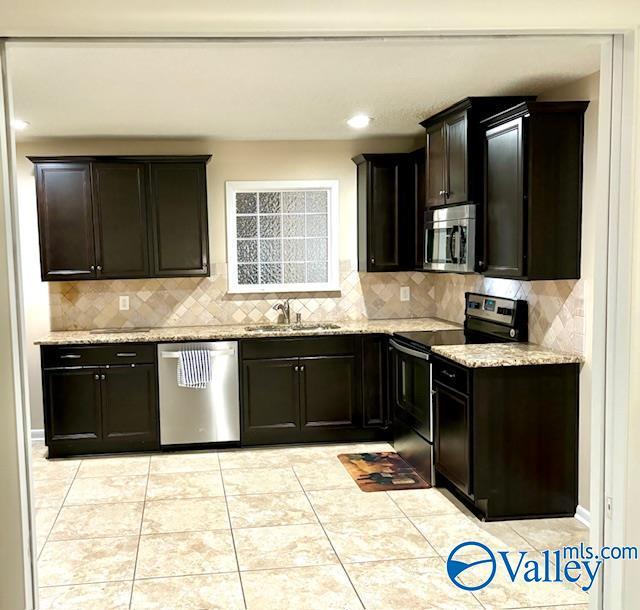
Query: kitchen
[[338, 374]]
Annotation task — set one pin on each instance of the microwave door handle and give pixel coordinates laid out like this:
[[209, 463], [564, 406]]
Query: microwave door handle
[[452, 241]]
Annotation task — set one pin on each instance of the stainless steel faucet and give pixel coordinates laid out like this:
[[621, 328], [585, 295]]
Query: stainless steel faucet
[[285, 308]]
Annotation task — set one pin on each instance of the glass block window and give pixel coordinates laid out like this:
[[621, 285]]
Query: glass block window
[[282, 236]]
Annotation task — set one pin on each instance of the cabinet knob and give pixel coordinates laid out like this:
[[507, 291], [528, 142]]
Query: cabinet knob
[[92, 268], [373, 261], [296, 368], [96, 377], [103, 377], [99, 267], [302, 368], [443, 192], [480, 264]]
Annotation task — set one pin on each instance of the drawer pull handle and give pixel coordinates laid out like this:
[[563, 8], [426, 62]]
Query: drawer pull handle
[[126, 354], [70, 356], [449, 375]]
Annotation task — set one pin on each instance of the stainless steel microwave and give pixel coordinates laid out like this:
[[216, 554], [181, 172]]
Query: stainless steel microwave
[[450, 239]]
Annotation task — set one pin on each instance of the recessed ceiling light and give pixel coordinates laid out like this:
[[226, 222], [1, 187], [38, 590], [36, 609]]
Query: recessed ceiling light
[[19, 124], [359, 121]]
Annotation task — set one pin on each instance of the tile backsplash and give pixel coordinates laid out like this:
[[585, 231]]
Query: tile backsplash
[[556, 310], [202, 301]]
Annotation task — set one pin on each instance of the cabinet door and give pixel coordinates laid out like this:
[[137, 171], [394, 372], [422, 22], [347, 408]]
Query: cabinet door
[[129, 407], [65, 221], [72, 405], [328, 392], [270, 400], [120, 220], [452, 438], [435, 170], [385, 217], [179, 231], [455, 130], [374, 382], [504, 201], [417, 202]]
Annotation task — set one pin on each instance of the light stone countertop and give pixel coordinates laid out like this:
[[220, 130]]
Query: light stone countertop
[[244, 331], [503, 354]]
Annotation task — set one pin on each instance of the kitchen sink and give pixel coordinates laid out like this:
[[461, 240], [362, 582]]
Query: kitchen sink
[[267, 328], [118, 331]]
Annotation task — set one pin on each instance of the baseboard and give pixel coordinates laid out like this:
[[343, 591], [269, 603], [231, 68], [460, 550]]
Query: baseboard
[[37, 434], [583, 515]]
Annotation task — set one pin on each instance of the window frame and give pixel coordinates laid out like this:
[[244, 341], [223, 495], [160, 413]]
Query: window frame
[[233, 187]]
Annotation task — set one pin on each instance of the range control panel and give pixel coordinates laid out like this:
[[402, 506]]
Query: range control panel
[[495, 309]]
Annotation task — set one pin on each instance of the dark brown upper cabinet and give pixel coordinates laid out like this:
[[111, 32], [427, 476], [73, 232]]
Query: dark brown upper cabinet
[[533, 201], [122, 217], [179, 234], [120, 213], [65, 221], [386, 222], [454, 148]]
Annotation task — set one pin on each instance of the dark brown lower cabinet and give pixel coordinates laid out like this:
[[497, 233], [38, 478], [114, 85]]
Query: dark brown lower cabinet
[[129, 412], [506, 438], [307, 389], [102, 407], [375, 387], [452, 438], [72, 405], [328, 393], [270, 398]]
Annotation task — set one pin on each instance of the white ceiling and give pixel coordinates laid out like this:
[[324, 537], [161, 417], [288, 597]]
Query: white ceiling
[[276, 90]]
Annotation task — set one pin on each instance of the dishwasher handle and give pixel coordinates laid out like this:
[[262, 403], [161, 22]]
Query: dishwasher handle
[[213, 353]]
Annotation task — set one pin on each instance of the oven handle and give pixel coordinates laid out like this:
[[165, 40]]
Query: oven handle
[[408, 350]]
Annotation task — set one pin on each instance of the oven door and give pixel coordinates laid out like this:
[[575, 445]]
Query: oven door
[[411, 387]]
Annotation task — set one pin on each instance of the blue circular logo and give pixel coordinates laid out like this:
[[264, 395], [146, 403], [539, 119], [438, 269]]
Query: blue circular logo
[[457, 565]]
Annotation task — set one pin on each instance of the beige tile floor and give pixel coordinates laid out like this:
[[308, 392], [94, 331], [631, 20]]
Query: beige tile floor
[[270, 529]]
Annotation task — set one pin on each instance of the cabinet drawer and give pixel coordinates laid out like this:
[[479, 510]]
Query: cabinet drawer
[[97, 355], [451, 375], [298, 347]]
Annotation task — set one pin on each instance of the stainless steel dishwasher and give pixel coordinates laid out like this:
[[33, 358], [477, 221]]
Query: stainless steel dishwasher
[[191, 415]]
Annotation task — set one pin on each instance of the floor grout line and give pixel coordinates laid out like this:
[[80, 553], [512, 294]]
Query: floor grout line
[[233, 540], [57, 515], [313, 508], [135, 564]]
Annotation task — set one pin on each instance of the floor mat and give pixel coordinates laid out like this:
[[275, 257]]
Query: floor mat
[[381, 471]]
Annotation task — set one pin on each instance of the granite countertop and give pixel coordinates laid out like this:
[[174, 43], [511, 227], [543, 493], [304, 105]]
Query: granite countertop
[[236, 331], [503, 354]]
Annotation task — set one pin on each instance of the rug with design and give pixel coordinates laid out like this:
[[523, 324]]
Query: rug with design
[[382, 471]]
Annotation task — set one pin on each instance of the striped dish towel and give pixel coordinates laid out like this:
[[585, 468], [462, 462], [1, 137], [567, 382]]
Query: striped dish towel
[[194, 368]]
